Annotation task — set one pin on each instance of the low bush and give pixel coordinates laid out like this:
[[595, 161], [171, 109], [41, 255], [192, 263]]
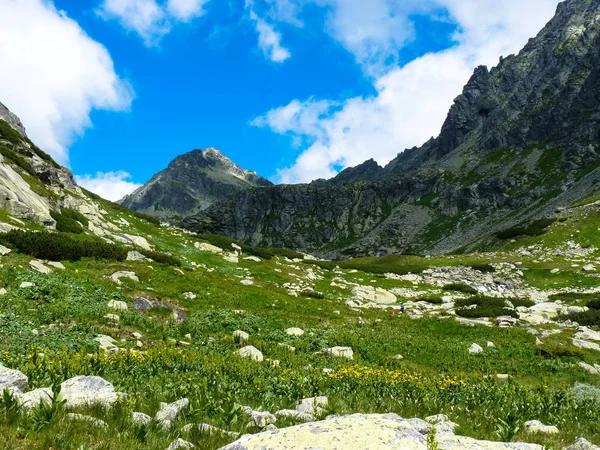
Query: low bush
[[160, 257], [594, 304], [521, 302], [558, 350], [485, 268], [261, 252], [9, 133], [434, 300], [61, 247], [460, 287], [572, 296], [591, 317], [69, 221], [536, 228], [484, 307], [17, 159]]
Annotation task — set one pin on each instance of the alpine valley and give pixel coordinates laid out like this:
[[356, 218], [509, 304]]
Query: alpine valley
[[450, 300]]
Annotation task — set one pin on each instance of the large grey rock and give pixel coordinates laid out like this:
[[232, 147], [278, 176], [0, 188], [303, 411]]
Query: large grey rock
[[117, 276], [13, 380], [340, 352], [362, 431], [89, 390], [582, 444], [251, 352], [33, 398], [170, 411]]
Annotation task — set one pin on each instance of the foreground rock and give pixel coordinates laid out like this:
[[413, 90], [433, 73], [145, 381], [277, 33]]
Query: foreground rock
[[89, 390], [374, 431], [13, 380]]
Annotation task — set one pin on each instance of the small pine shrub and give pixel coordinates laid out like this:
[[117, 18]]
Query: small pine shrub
[[160, 257], [521, 302], [18, 160], [484, 307], [75, 215], [61, 247], [9, 133], [588, 318], [536, 228], [434, 300], [460, 287], [556, 350], [66, 224], [485, 268], [594, 304]]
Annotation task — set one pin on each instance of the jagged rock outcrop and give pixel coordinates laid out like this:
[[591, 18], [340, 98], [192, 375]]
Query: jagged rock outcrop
[[190, 184], [520, 141]]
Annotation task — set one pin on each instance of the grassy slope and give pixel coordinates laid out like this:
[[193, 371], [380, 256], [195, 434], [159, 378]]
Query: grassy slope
[[437, 375]]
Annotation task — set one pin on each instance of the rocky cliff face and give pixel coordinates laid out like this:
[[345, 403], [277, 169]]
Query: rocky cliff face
[[190, 184], [521, 140]]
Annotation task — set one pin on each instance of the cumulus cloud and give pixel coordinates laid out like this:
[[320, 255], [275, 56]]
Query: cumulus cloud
[[53, 74], [269, 40], [412, 101], [148, 18], [109, 185]]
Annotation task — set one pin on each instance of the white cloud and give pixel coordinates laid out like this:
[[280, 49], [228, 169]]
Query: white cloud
[[148, 18], [411, 101], [269, 40], [186, 10], [53, 74], [109, 185]]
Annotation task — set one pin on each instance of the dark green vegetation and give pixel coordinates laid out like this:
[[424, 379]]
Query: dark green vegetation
[[535, 228], [460, 287], [69, 221], [264, 253]]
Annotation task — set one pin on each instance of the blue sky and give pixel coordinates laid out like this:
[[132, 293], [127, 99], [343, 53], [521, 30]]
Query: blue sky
[[292, 89]]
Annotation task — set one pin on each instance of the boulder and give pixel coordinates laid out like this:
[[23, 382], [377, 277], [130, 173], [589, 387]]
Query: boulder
[[136, 256], [141, 418], [13, 380], [535, 426], [241, 336], [260, 419], [117, 305], [40, 267], [374, 295], [169, 411], [313, 406], [208, 429], [89, 390], [204, 247], [582, 444], [294, 331], [586, 344], [107, 343], [252, 353], [179, 444], [26, 284], [252, 258], [116, 277], [340, 352], [4, 251], [56, 265], [33, 398], [360, 431], [475, 348]]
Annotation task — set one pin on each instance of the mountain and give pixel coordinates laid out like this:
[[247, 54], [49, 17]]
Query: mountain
[[190, 184], [520, 141]]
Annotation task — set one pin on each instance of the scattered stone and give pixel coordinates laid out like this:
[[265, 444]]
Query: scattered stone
[[502, 376], [586, 333], [136, 256], [252, 258], [3, 291], [13, 380], [294, 331], [398, 357], [340, 352], [190, 295], [56, 265], [247, 282], [594, 370], [589, 268], [491, 345], [261, 419], [141, 418], [582, 444], [89, 420], [40, 267], [205, 247], [116, 277], [179, 444], [208, 429], [252, 353], [26, 284], [535, 426], [89, 390], [107, 343], [555, 271], [475, 348], [4, 251], [118, 305], [169, 411], [373, 295], [240, 336], [313, 406], [113, 318]]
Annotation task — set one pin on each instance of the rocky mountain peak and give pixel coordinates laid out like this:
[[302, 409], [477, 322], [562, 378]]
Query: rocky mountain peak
[[12, 120]]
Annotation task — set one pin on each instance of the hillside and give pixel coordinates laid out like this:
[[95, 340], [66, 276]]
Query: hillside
[[518, 143], [192, 182], [119, 332]]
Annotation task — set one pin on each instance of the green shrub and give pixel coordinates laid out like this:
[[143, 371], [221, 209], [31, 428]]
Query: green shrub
[[17, 159], [572, 296], [590, 317], [558, 350], [594, 304], [66, 224], [484, 307], [75, 215], [434, 300], [61, 247], [160, 257], [485, 268], [45, 156], [9, 133], [261, 252], [460, 287], [521, 302], [536, 228]]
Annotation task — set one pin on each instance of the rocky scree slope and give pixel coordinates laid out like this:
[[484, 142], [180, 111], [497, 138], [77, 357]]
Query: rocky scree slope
[[520, 141], [190, 184]]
